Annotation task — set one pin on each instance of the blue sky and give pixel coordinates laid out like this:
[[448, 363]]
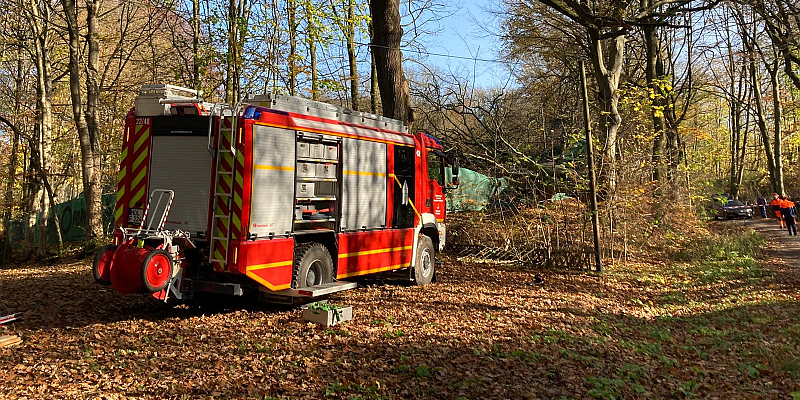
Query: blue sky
[[470, 32]]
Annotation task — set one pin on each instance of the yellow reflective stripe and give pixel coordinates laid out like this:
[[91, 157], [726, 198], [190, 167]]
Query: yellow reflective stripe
[[139, 160], [235, 220], [270, 265], [120, 193], [226, 179], [122, 173], [274, 168], [240, 158], [137, 197], [262, 281], [239, 180], [378, 251], [118, 213], [218, 255], [140, 141], [370, 271], [124, 154], [237, 200], [363, 173], [228, 158], [138, 178]]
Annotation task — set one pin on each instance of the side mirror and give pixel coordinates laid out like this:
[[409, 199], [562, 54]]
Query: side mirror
[[454, 169]]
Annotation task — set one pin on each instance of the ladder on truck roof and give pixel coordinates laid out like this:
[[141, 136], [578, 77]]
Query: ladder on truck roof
[[225, 154]]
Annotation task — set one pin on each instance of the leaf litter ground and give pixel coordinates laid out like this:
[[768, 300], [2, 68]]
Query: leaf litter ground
[[642, 330]]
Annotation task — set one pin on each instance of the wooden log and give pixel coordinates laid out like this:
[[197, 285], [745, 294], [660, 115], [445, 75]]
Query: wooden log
[[9, 340]]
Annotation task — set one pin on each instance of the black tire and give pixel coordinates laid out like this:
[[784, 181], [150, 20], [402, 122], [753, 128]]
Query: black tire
[[96, 272], [312, 265], [425, 262], [161, 260]]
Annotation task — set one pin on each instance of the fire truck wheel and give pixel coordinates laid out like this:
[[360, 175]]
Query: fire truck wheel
[[156, 271], [425, 262], [312, 265], [101, 267]]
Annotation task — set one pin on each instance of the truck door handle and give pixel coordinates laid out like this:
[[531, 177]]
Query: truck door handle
[[428, 203]]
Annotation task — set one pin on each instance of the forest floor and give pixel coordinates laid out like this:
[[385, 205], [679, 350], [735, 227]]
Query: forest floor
[[719, 319]]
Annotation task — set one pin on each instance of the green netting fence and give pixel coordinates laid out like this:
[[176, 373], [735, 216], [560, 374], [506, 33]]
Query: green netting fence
[[72, 215]]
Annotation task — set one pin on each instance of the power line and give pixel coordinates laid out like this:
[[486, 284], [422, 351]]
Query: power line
[[437, 54]]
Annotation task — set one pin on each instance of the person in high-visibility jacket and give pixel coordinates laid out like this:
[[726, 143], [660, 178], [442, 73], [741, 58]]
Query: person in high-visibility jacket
[[789, 214], [776, 205]]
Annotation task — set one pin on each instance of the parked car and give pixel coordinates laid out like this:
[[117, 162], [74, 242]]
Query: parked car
[[733, 209]]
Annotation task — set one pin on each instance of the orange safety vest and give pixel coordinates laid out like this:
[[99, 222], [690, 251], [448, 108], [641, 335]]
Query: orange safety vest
[[777, 204]]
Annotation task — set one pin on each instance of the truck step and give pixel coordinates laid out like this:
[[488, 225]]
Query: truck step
[[318, 290]]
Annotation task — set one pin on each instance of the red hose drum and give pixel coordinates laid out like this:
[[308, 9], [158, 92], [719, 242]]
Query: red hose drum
[[126, 268]]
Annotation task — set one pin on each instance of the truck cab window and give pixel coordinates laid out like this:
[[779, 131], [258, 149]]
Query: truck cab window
[[435, 170], [404, 172]]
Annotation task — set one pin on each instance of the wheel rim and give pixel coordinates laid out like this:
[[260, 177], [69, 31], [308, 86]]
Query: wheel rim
[[314, 274], [158, 271], [427, 264], [104, 262]]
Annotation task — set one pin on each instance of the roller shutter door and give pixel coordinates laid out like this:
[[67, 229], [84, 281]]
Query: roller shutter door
[[363, 184], [272, 206], [182, 164]]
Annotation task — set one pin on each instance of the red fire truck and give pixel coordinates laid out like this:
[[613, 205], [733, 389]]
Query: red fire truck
[[278, 195]]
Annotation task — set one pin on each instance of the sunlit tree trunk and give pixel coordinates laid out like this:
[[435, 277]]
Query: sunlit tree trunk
[[776, 116], [373, 78], [291, 4], [312, 49], [88, 138], [350, 37], [395, 97], [607, 56]]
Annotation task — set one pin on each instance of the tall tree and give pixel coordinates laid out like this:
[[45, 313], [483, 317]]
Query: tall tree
[[238, 23], [86, 121], [385, 45], [606, 24], [293, 57], [347, 24]]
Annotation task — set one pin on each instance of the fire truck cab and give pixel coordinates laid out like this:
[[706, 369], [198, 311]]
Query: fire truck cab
[[281, 195]]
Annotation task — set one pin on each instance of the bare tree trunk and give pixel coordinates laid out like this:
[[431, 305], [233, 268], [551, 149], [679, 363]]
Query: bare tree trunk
[[350, 36], [238, 14], [93, 192], [653, 55], [312, 51], [373, 77], [44, 121], [88, 138], [776, 116], [607, 71], [291, 5], [196, 45], [12, 159], [395, 97], [12, 169], [762, 128]]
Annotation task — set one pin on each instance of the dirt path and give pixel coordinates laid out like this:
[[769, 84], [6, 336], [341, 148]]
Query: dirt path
[[779, 244]]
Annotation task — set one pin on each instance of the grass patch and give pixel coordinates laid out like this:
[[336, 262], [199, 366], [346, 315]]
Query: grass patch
[[722, 257]]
